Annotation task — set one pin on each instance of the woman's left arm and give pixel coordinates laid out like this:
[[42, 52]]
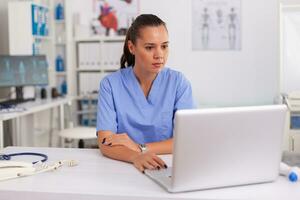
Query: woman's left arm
[[161, 147]]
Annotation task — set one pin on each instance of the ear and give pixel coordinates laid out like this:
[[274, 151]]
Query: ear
[[131, 47]]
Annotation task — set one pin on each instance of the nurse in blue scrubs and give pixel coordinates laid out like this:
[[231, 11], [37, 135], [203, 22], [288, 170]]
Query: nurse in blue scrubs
[[136, 104]]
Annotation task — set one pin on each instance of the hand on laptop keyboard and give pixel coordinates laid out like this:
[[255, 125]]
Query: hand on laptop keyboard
[[148, 160]]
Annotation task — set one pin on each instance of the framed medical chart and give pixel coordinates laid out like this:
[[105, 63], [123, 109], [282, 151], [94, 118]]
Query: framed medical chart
[[114, 15], [216, 25]]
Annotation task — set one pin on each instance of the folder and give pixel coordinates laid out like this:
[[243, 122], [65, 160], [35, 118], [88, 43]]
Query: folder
[[89, 82]]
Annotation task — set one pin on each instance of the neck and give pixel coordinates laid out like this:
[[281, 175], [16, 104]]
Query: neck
[[144, 78]]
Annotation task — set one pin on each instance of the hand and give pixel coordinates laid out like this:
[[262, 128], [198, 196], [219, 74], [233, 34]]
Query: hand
[[121, 139], [148, 160]]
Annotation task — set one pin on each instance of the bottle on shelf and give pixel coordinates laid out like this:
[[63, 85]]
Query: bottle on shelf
[[59, 64], [59, 12], [64, 88]]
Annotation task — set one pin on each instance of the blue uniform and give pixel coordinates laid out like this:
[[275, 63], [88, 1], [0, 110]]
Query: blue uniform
[[123, 107]]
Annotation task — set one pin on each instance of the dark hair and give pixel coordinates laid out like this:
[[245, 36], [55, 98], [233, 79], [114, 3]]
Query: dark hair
[[127, 59]]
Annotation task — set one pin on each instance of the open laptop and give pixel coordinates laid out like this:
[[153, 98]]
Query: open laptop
[[221, 147]]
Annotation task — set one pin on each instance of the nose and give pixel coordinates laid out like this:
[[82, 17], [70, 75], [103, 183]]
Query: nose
[[158, 57], [158, 54]]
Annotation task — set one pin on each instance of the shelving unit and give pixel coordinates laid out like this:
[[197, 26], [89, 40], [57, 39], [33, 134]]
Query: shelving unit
[[293, 122], [96, 57], [41, 34], [60, 48], [34, 20], [30, 30]]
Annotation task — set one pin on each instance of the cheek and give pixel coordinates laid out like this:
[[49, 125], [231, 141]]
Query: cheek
[[144, 55], [167, 53]]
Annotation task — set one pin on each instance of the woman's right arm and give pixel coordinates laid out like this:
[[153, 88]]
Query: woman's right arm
[[140, 160], [115, 152]]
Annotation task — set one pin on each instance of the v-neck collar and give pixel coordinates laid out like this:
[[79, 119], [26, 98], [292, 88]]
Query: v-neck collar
[[152, 96]]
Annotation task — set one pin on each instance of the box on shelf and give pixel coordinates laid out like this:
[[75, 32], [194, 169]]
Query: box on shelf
[[89, 82], [40, 20], [104, 55]]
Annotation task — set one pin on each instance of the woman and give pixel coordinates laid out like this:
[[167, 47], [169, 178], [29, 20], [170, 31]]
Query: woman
[[136, 104]]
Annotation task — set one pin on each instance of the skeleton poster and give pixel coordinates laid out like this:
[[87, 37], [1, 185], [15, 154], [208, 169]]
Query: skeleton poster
[[216, 25]]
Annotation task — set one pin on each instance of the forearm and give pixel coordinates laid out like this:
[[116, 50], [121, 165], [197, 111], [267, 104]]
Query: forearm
[[162, 147], [126, 153], [118, 152]]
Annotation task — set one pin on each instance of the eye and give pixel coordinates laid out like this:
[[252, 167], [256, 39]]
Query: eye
[[165, 46], [148, 48]]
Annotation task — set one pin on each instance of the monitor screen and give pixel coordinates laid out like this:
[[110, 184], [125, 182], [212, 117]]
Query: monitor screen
[[23, 70]]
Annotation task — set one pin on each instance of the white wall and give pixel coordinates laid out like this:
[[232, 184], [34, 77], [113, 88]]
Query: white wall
[[249, 76], [222, 78], [246, 77], [290, 22]]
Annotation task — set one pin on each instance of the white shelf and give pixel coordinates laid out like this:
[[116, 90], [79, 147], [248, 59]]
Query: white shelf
[[82, 112], [87, 97], [100, 38], [60, 21], [60, 43], [39, 37], [61, 73], [110, 69], [96, 70], [89, 70]]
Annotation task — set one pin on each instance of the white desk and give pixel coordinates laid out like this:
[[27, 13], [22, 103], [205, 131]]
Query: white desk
[[33, 107], [97, 177]]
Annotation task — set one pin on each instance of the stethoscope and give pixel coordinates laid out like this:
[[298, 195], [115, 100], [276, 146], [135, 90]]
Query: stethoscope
[[8, 156]]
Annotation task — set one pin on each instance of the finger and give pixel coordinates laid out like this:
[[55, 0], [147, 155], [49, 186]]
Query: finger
[[158, 165], [103, 134], [116, 144], [148, 165], [160, 161], [108, 140], [140, 168], [155, 164]]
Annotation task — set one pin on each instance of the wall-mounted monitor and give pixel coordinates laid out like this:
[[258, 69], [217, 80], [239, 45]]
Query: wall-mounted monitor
[[23, 70], [19, 71]]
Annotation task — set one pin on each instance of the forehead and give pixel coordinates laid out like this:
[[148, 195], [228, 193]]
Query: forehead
[[153, 34]]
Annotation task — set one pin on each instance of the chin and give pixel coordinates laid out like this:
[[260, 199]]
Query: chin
[[156, 70]]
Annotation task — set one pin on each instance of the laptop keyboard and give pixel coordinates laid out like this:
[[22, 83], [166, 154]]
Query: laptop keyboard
[[160, 173]]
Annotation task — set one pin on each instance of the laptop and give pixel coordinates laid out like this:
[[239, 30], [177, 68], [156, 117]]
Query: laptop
[[222, 147]]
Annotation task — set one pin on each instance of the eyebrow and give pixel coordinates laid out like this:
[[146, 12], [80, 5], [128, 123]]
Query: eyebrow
[[167, 42]]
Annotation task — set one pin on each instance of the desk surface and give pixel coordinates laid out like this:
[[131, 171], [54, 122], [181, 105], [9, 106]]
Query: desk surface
[[97, 177], [35, 106]]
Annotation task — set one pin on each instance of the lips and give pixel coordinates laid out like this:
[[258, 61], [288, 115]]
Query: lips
[[157, 64]]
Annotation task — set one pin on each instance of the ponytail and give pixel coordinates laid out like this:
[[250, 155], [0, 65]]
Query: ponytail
[[127, 59]]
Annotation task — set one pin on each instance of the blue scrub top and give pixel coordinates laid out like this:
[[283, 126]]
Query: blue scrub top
[[123, 107]]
